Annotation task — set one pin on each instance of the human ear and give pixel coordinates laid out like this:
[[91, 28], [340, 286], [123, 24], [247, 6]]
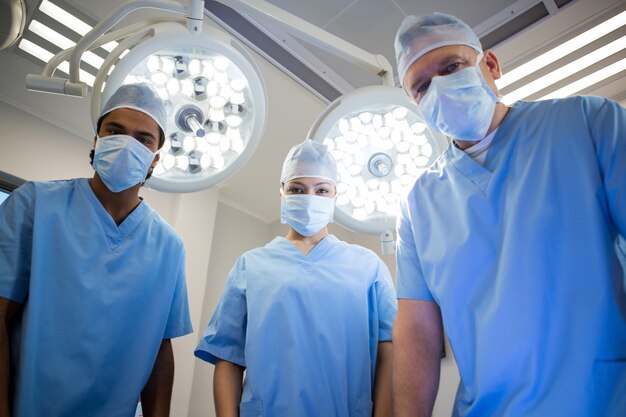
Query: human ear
[[493, 65], [155, 161]]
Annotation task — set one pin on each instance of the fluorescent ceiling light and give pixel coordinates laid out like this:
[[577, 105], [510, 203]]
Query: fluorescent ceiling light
[[565, 71], [62, 42], [588, 81], [562, 50], [70, 21], [64, 17]]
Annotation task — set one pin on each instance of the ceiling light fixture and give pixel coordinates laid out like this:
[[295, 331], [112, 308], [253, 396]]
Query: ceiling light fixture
[[577, 68], [562, 50], [214, 95]]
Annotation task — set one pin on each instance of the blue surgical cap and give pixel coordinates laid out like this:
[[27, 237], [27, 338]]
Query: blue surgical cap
[[309, 159], [418, 35], [141, 97]]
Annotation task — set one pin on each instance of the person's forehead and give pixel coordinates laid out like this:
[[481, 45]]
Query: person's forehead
[[309, 181], [130, 118], [437, 57]]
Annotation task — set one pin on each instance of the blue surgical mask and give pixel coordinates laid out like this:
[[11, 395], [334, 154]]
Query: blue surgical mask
[[307, 214], [460, 105], [121, 161]]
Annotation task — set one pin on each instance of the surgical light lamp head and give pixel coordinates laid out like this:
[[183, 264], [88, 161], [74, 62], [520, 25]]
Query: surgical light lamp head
[[418, 35], [214, 98], [381, 146]]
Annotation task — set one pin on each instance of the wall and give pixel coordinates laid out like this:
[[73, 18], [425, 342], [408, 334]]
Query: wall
[[235, 233]]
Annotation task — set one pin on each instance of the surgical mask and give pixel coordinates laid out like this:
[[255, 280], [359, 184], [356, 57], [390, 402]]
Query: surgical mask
[[121, 161], [307, 214], [460, 105]]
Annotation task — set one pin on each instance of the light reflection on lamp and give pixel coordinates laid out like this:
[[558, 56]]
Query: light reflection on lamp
[[215, 99], [381, 147]]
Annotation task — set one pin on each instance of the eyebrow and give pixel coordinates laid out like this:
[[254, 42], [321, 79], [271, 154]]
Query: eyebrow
[[121, 126], [304, 185]]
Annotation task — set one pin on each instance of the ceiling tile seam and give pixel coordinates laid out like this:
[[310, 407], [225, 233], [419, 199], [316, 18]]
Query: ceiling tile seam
[[349, 6]]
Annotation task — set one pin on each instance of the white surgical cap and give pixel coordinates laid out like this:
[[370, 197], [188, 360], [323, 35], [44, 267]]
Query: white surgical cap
[[140, 97], [418, 35], [309, 159]]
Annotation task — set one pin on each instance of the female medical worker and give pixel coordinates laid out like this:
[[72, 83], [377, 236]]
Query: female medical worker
[[307, 316]]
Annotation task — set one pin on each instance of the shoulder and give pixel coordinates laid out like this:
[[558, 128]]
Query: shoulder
[[32, 190], [356, 253], [567, 106]]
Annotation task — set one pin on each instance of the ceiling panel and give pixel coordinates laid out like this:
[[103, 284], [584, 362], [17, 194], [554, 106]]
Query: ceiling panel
[[472, 12], [318, 12]]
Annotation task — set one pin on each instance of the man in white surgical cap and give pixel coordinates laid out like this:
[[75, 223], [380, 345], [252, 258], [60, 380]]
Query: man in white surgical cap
[[92, 280], [513, 241]]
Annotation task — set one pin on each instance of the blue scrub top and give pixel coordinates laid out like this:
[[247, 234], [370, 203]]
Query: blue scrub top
[[306, 327], [525, 258], [97, 299]]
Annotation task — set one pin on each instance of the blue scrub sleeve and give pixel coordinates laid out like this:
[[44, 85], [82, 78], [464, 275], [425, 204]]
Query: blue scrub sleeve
[[225, 336], [387, 304], [409, 274], [16, 238], [179, 322], [607, 125]]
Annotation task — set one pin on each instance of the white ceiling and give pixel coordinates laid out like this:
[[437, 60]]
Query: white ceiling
[[292, 108]]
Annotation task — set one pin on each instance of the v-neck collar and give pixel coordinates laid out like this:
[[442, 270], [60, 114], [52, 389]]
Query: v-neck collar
[[315, 254], [480, 175], [113, 233]]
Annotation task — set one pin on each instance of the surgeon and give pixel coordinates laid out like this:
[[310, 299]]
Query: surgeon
[[92, 280], [513, 241], [308, 317]]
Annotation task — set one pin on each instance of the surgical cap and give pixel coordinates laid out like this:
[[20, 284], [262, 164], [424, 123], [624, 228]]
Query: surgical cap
[[418, 35], [309, 159], [140, 97]]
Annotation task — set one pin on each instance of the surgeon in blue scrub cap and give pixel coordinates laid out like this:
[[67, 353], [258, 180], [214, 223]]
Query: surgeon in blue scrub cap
[[513, 241], [307, 316], [92, 280]]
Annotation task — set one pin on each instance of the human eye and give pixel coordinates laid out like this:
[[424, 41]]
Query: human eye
[[294, 190], [418, 91], [451, 68]]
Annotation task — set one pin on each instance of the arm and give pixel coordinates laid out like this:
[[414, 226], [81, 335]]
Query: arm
[[157, 394], [8, 309], [382, 381], [417, 339], [227, 388]]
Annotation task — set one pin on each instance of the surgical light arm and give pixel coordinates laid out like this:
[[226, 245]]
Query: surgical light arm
[[312, 34], [97, 36]]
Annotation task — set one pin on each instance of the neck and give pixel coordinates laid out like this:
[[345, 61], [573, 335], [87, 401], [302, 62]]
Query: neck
[[306, 243], [499, 114], [118, 205]]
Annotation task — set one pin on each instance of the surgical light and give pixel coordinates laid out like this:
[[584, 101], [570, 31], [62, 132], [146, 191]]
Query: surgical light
[[214, 96], [212, 128], [381, 146]]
